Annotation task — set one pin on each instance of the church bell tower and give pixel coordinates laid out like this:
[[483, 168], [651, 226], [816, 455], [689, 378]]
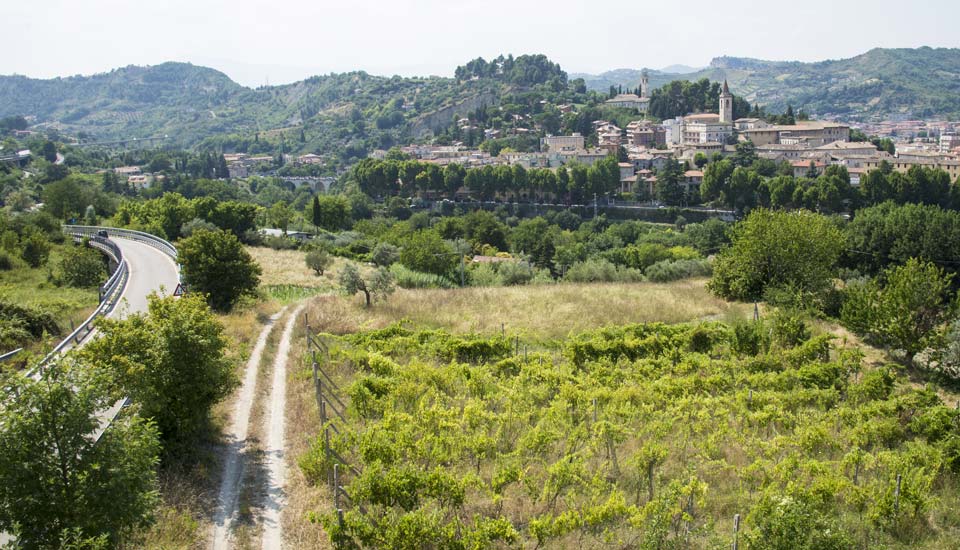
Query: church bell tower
[[726, 104]]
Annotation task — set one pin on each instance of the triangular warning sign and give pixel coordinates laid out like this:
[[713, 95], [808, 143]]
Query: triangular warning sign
[[180, 290]]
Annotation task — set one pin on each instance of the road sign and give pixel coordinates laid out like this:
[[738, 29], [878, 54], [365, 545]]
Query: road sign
[[180, 290]]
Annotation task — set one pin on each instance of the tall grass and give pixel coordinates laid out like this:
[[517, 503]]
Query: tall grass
[[539, 311], [408, 278]]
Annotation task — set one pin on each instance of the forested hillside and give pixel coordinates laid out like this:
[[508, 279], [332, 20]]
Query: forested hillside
[[353, 112]]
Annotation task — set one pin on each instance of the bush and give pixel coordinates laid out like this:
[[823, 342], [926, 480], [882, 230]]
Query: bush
[[81, 267], [770, 249], [385, 254], [601, 271], [483, 275], [515, 273], [277, 242], [36, 250], [36, 321], [749, 338], [674, 270], [408, 278], [194, 225], [171, 361], [788, 329], [6, 262]]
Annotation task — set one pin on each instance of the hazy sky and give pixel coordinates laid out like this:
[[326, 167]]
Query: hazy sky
[[254, 41]]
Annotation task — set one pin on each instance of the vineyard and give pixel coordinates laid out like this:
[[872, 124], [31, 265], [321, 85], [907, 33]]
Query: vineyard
[[640, 436]]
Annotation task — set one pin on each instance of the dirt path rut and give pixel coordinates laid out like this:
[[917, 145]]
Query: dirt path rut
[[236, 442], [274, 426]]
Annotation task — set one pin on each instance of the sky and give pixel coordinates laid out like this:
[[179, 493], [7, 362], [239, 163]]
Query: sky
[[279, 41]]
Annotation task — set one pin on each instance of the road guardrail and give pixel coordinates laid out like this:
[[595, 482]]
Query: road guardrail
[[112, 289]]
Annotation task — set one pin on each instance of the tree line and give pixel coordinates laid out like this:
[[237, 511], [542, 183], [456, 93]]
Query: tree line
[[575, 183]]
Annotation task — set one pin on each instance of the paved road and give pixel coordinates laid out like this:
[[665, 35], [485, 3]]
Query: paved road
[[150, 270]]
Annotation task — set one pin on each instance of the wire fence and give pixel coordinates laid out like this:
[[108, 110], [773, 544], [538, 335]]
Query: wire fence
[[333, 410]]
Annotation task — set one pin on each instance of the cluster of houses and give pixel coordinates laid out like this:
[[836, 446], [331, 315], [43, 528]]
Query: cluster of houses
[[240, 165], [136, 178], [809, 146]]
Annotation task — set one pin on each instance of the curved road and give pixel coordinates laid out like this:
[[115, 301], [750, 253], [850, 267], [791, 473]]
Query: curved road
[[150, 270]]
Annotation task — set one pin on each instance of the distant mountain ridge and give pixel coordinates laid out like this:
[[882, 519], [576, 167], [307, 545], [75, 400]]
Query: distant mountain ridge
[[192, 103], [881, 83]]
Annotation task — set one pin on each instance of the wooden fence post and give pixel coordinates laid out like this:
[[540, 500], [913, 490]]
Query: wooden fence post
[[736, 531], [896, 496]]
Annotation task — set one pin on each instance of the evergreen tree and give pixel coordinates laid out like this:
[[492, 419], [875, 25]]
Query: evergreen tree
[[316, 216]]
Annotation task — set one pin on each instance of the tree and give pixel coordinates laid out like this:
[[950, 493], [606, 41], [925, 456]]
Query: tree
[[377, 286], [385, 255], [746, 154], [334, 212], [669, 190], [81, 267], [773, 249], [716, 178], [906, 311], [216, 264], [315, 215], [35, 249], [49, 151], [318, 260], [90, 215], [65, 199], [55, 477], [889, 234], [281, 215], [426, 251], [700, 160], [169, 361]]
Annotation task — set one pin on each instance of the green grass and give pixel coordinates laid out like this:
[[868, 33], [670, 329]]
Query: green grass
[[33, 287]]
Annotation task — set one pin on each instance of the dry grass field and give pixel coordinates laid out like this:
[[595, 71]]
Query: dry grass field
[[287, 267], [539, 312]]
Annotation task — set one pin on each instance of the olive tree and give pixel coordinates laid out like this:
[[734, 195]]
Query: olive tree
[[376, 286], [318, 260]]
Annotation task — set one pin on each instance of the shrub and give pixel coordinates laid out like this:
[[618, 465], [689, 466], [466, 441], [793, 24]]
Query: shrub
[[408, 278], [36, 250], [770, 248], [788, 329], [194, 225], [81, 267], [35, 320], [515, 273], [277, 242], [749, 338], [6, 262], [385, 254], [483, 275], [674, 270], [592, 271]]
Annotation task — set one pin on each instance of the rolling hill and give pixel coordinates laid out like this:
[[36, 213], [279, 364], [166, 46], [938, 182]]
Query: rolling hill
[[355, 112], [881, 83]]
